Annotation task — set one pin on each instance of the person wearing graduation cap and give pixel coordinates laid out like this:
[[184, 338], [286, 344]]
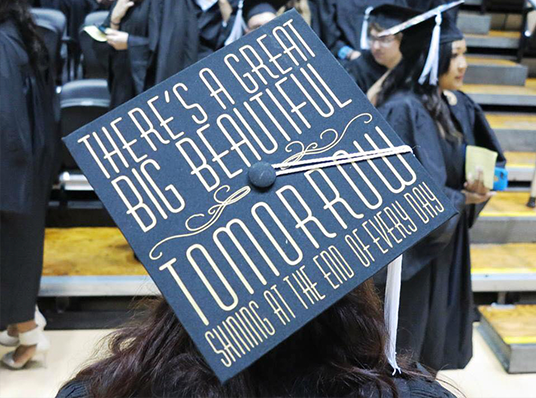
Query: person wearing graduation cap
[[220, 23], [151, 40], [260, 12], [421, 100], [341, 24], [339, 353], [380, 54]]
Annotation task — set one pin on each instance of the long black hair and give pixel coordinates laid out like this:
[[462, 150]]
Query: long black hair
[[19, 12], [404, 77], [339, 353]]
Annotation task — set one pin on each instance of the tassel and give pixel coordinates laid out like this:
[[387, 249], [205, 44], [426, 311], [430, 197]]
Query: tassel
[[205, 4], [392, 302], [432, 60], [364, 30], [239, 25]]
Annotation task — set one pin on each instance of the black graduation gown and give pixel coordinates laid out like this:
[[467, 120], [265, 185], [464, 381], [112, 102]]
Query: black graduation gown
[[365, 70], [435, 325], [163, 40], [212, 31], [76, 11], [28, 148], [418, 387]]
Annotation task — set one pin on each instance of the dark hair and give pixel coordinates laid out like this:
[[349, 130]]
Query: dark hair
[[19, 12], [339, 353], [405, 76]]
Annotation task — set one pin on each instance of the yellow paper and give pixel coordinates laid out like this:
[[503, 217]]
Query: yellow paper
[[95, 33], [480, 158]]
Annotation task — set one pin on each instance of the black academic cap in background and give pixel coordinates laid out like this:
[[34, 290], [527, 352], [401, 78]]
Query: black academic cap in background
[[389, 15], [255, 7], [425, 32]]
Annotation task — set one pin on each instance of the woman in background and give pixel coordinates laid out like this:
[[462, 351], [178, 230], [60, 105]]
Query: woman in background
[[28, 145], [436, 304], [339, 353], [152, 40]]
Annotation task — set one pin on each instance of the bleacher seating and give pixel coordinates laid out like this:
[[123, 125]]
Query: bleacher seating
[[51, 25], [94, 63], [81, 102]]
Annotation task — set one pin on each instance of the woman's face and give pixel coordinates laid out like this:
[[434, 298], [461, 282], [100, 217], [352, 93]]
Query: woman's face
[[453, 79]]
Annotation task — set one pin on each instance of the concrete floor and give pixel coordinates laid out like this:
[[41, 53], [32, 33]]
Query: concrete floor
[[483, 378]]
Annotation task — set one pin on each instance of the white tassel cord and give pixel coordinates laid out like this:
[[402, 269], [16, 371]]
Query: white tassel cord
[[364, 30], [392, 302], [432, 60], [394, 269], [239, 26], [305, 165]]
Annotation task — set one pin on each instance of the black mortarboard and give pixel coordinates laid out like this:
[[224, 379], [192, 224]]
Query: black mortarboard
[[254, 7], [236, 183], [386, 15], [389, 15], [259, 9], [425, 32]]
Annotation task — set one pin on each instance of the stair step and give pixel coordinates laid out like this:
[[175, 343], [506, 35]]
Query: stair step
[[499, 71], [506, 219], [474, 23], [520, 166], [515, 131], [510, 331], [500, 268], [494, 39], [91, 262], [89, 251], [96, 261], [489, 94]]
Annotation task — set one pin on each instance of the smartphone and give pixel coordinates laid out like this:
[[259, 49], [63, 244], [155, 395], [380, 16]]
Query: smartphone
[[500, 180], [102, 28]]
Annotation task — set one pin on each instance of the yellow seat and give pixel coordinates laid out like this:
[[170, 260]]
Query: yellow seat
[[88, 252]]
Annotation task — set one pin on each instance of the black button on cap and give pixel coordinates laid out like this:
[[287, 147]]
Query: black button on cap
[[262, 175]]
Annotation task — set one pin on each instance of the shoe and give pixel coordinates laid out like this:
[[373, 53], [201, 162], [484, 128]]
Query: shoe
[[13, 341], [7, 340], [33, 337]]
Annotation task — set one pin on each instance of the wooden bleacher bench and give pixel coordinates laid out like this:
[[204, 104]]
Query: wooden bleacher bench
[[512, 121], [506, 219], [489, 94], [500, 71], [503, 267], [496, 39], [520, 165], [515, 131], [99, 262], [510, 331], [92, 262]]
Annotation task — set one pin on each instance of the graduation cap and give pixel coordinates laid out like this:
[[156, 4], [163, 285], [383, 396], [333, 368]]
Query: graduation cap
[[385, 15], [428, 31], [253, 8], [258, 187]]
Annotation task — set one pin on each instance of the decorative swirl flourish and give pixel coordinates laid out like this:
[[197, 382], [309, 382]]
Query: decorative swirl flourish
[[314, 148], [214, 211]]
